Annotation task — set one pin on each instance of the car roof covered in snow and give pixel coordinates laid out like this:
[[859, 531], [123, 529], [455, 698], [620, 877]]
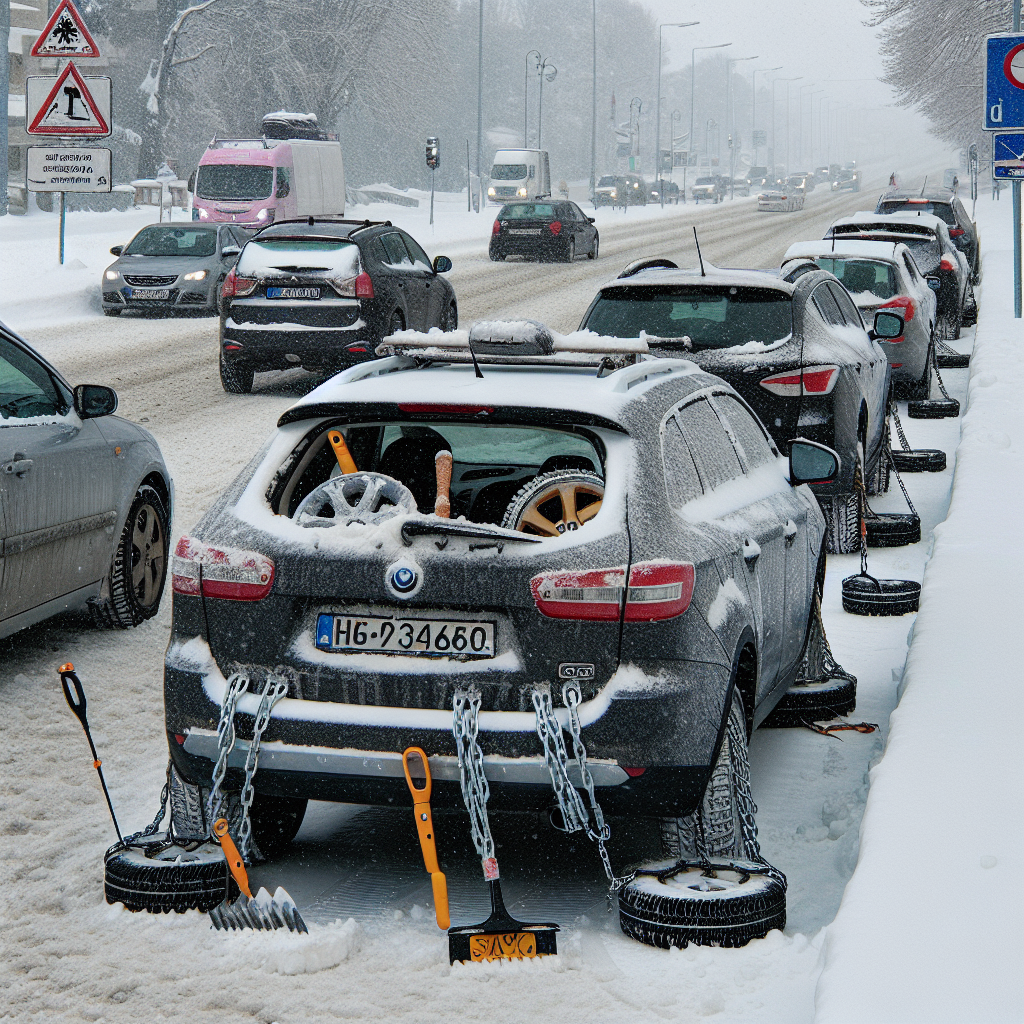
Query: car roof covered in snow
[[879, 250], [714, 276], [891, 222]]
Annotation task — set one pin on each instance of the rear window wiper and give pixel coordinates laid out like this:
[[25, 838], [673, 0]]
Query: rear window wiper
[[424, 528]]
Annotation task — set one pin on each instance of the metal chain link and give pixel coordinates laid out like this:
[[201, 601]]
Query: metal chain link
[[236, 686], [830, 668], [475, 790], [938, 376], [899, 480], [894, 411], [274, 689]]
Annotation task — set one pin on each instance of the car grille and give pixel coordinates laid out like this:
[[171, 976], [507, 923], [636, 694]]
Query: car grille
[[195, 297], [113, 297], [304, 316], [149, 281]]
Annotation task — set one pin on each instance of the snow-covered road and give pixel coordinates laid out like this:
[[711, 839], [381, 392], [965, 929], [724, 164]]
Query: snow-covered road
[[68, 956]]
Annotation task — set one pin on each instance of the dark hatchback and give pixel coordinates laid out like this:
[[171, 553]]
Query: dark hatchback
[[543, 231], [322, 293], [796, 351]]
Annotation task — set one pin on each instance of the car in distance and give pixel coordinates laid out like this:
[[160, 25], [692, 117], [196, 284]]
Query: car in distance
[[85, 500], [321, 293], [171, 268], [662, 185], [883, 275], [780, 200], [608, 190], [797, 352], [633, 529], [547, 230], [708, 189], [847, 180]]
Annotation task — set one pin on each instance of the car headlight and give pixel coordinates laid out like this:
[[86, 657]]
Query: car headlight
[[196, 275], [111, 275], [491, 191], [521, 192], [613, 194]]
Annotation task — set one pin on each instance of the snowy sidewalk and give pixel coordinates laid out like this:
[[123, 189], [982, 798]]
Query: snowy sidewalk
[[929, 926]]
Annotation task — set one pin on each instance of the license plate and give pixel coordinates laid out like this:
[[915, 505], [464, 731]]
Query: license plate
[[149, 293], [445, 637], [293, 293], [524, 231]]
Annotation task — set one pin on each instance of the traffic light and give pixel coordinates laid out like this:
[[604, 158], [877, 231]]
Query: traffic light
[[433, 153], [730, 142]]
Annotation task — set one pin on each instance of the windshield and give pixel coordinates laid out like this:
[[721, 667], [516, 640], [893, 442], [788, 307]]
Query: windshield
[[927, 253], [170, 241], [863, 279], [238, 182], [606, 180], [521, 211], [508, 172], [711, 316], [942, 210], [705, 181]]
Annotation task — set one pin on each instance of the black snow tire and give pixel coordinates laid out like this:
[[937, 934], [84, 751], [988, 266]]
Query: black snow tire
[[842, 528], [450, 317], [112, 312], [593, 252], [724, 907], [236, 378], [920, 460], [893, 529], [570, 251], [879, 481], [813, 702], [522, 498], [172, 878], [139, 568]]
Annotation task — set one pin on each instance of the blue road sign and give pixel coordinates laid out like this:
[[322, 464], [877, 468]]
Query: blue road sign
[[1008, 155], [1004, 82]]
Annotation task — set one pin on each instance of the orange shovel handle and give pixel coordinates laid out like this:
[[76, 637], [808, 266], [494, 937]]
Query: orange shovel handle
[[345, 461]]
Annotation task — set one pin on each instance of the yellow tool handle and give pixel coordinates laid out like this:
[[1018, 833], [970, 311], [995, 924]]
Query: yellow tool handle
[[231, 855], [425, 828], [341, 452], [440, 884]]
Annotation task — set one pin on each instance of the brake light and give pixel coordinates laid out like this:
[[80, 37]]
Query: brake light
[[817, 380], [956, 232], [917, 201], [454, 410], [946, 264], [364, 286], [632, 772], [905, 304], [224, 573], [496, 230], [556, 226], [234, 285], [658, 590]]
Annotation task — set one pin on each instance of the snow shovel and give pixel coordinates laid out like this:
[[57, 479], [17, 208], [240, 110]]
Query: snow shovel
[[417, 775], [262, 912]]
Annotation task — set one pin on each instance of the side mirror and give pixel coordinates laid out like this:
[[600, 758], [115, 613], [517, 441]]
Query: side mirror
[[934, 283], [442, 264], [887, 325], [93, 400], [230, 251], [116, 250], [592, 220], [812, 463]]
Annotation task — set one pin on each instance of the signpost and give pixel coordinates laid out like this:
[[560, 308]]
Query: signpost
[[67, 106]]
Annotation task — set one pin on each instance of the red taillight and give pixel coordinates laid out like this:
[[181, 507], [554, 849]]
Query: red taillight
[[496, 230], [234, 285], [179, 738], [956, 232], [224, 573], [356, 348], [918, 201], [364, 286], [946, 264], [817, 380], [556, 226], [632, 772], [905, 304], [656, 591], [232, 346], [454, 410]]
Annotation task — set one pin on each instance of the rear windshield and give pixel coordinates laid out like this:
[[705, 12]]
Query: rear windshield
[[927, 253], [606, 180], [711, 316], [168, 241], [942, 210], [508, 172], [524, 211], [265, 255], [491, 463], [864, 279], [240, 182]]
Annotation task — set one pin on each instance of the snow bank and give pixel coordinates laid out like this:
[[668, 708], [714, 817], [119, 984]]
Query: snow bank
[[928, 929]]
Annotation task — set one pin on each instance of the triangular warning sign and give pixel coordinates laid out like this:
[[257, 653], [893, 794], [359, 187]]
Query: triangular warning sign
[[69, 109], [65, 35]]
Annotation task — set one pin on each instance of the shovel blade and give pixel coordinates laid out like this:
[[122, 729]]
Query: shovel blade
[[262, 913]]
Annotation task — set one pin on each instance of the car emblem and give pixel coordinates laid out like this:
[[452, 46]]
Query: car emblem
[[403, 579]]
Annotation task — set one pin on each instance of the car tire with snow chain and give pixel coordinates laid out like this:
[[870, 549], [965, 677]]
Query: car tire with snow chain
[[842, 527], [139, 569], [236, 378]]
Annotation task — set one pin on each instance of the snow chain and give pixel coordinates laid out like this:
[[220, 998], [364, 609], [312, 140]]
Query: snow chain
[[934, 363], [894, 411], [475, 791], [830, 668]]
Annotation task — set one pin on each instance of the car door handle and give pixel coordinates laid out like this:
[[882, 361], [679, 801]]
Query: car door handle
[[790, 532], [751, 552], [18, 466]]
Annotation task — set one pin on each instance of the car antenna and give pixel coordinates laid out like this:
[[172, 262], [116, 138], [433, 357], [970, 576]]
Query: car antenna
[[924, 186], [476, 365], [703, 273]]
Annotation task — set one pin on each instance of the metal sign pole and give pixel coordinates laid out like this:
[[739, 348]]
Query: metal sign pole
[[61, 243], [431, 197], [1016, 207]]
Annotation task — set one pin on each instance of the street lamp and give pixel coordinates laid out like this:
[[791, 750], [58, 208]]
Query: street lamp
[[675, 116], [535, 54], [548, 71], [693, 59], [810, 123], [731, 121], [657, 110], [753, 108], [775, 146]]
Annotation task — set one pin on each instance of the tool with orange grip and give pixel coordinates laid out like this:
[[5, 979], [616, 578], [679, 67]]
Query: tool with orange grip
[[443, 470], [345, 461], [417, 775]]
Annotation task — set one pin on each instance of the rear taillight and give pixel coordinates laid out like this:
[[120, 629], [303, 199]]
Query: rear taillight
[[903, 303], [946, 264], [656, 591], [633, 773], [956, 232], [817, 380], [234, 285], [227, 573], [364, 286], [555, 226], [496, 230]]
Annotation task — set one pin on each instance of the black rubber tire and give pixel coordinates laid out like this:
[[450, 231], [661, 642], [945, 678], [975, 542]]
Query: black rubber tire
[[893, 529], [570, 251], [890, 597], [112, 312], [918, 391], [842, 523], [879, 482], [522, 498], [236, 378], [593, 252], [450, 317], [957, 361], [969, 317], [396, 322], [933, 409], [813, 702], [496, 257], [133, 594], [919, 460], [691, 908], [176, 879]]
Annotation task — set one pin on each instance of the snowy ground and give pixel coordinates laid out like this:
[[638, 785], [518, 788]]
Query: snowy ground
[[68, 956]]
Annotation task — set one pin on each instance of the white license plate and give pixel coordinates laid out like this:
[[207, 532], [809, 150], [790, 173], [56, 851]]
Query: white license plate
[[524, 231], [293, 293], [150, 293], [446, 637]]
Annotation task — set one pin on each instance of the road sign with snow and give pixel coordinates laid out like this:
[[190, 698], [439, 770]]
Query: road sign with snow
[[70, 104], [65, 35], [1008, 155], [58, 169], [1004, 82]]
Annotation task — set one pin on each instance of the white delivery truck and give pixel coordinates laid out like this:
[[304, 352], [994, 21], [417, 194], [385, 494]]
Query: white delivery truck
[[519, 174]]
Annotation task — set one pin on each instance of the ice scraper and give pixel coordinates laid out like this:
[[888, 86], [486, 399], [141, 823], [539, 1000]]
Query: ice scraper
[[417, 775]]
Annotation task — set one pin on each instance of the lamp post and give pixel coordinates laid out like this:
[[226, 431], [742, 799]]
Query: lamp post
[[810, 126], [593, 99], [657, 106], [800, 119], [675, 116], [548, 71], [693, 58], [731, 121], [775, 147], [535, 54], [480, 102], [753, 107]]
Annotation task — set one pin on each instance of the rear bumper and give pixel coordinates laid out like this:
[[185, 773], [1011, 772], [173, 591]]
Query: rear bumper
[[265, 348], [543, 248]]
